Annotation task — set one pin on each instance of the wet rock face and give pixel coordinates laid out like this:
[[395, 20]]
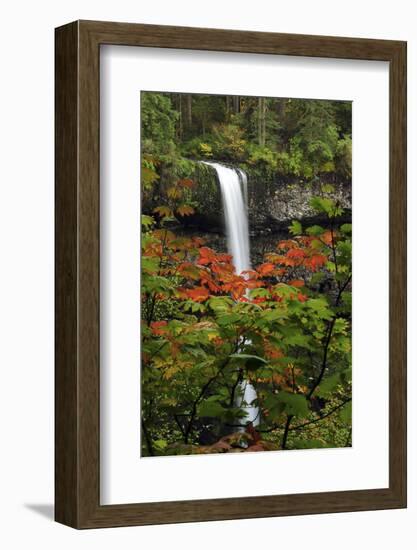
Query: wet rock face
[[273, 205]]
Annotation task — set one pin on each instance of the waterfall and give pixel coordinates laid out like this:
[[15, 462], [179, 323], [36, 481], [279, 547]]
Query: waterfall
[[235, 214], [244, 180], [234, 192]]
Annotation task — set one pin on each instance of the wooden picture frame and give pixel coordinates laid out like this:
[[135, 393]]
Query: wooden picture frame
[[77, 408]]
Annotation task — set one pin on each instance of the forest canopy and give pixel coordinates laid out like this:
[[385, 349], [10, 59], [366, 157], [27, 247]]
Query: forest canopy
[[276, 137]]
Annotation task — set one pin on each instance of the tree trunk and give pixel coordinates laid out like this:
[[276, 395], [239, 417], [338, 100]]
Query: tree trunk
[[228, 107], [180, 116], [236, 104], [188, 110], [261, 121]]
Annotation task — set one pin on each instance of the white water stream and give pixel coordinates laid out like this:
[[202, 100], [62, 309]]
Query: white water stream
[[233, 187]]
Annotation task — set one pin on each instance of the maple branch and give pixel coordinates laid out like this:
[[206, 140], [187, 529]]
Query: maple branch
[[202, 393], [342, 289], [147, 438], [300, 426], [157, 351], [235, 385], [327, 341], [177, 420], [286, 430], [324, 361], [333, 248]]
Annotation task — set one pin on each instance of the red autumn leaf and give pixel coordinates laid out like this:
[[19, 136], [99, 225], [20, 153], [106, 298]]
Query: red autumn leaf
[[207, 256], [298, 283], [185, 210], [305, 240], [186, 182], [251, 283], [158, 327], [287, 244], [296, 254], [224, 258], [302, 297], [206, 279], [272, 352], [255, 436], [265, 269], [222, 269], [327, 237], [317, 260], [163, 211], [218, 341], [259, 300], [198, 294]]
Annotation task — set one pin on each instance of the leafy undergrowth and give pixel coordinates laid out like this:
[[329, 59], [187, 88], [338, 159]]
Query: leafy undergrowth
[[285, 326]]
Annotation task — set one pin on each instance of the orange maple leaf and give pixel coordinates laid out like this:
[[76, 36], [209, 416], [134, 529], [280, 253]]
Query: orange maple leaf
[[198, 294], [163, 211], [296, 254], [298, 283], [186, 182], [265, 269], [158, 327], [317, 260], [185, 210]]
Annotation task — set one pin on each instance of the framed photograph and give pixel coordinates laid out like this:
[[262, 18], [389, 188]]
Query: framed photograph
[[230, 274]]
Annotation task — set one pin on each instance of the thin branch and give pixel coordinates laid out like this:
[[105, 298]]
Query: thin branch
[[177, 420], [333, 248], [157, 351], [235, 385], [343, 288], [324, 361], [286, 430], [147, 438], [300, 426], [201, 395]]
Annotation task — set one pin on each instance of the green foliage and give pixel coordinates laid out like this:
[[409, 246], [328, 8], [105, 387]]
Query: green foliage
[[158, 123], [229, 142], [294, 404], [263, 159], [296, 228], [205, 328], [343, 157], [272, 137]]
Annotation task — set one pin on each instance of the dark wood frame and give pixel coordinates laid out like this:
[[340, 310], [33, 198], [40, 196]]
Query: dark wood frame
[[77, 274]]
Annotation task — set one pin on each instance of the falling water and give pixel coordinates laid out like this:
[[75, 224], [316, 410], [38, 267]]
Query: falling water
[[244, 180], [233, 186], [235, 213]]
